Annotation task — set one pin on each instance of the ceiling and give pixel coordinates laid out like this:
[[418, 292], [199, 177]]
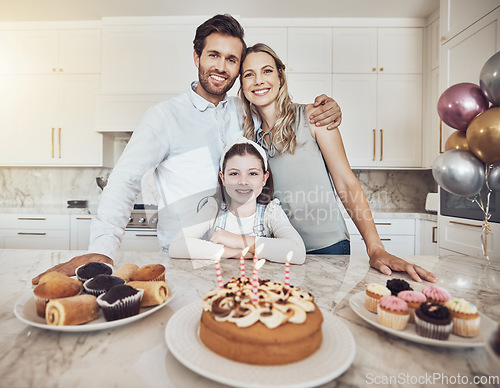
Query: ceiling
[[60, 10]]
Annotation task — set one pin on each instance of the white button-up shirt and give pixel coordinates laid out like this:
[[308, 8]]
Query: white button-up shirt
[[182, 140]]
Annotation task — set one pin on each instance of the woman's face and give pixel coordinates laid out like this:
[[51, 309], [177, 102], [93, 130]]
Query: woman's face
[[260, 79], [243, 178]]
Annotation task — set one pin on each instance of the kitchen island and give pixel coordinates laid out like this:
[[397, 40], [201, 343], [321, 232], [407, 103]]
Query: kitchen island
[[136, 355]]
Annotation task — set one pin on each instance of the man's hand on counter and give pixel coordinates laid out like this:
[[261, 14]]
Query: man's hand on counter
[[386, 263], [68, 268]]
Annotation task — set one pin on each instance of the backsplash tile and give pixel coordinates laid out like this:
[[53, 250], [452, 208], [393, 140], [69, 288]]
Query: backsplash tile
[[386, 190]]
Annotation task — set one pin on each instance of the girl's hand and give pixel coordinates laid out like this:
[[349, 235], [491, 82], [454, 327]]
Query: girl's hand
[[386, 263], [232, 240]]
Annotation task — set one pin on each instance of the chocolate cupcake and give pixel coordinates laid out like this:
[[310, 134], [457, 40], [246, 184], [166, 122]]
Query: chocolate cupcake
[[91, 270], [101, 283], [398, 285], [120, 302], [433, 320]]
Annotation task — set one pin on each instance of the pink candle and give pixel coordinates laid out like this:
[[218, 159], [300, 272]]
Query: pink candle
[[242, 262], [218, 272], [255, 278], [287, 270]]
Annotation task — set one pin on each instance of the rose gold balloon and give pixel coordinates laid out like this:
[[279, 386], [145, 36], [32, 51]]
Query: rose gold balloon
[[456, 141], [483, 136]]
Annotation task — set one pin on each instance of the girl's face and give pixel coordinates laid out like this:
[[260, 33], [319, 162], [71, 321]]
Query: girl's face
[[260, 79], [243, 178]]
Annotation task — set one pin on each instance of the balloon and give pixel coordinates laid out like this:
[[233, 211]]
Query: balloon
[[460, 103], [494, 177], [459, 172], [489, 79], [483, 136], [456, 141]]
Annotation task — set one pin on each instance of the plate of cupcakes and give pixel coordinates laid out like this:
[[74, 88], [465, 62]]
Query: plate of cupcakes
[[97, 298], [430, 316]]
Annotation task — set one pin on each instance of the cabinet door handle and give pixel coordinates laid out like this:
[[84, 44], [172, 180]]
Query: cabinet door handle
[[381, 69], [53, 129], [441, 136], [146, 235], [381, 144], [59, 130], [374, 69], [31, 218], [31, 234], [374, 143], [383, 223], [386, 239], [465, 224], [84, 218], [434, 234]]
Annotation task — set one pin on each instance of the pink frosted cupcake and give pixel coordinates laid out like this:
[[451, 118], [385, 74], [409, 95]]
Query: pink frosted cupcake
[[436, 294], [414, 299], [393, 312]]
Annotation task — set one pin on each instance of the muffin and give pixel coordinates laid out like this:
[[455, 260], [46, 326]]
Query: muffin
[[53, 289], [433, 320], [414, 299], [150, 272], [465, 317], [398, 285], [101, 283], [120, 302], [91, 270], [373, 294], [393, 312], [126, 270], [436, 294], [50, 276]]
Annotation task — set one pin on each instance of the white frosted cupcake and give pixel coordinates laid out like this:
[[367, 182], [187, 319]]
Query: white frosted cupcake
[[466, 319], [373, 294]]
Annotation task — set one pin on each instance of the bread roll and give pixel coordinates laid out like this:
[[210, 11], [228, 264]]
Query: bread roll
[[126, 271], [155, 293], [74, 310]]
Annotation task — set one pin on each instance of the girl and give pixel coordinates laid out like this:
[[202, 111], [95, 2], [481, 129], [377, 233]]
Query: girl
[[244, 216], [305, 160]]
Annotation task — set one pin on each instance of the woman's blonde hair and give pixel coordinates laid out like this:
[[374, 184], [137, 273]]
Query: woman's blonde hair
[[284, 134]]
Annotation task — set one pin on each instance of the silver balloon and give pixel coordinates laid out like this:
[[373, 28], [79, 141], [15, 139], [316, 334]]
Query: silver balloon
[[459, 172], [489, 79], [494, 177]]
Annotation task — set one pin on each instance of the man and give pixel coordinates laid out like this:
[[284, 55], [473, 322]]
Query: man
[[182, 139]]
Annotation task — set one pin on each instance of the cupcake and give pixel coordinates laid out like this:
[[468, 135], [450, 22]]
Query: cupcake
[[101, 283], [436, 294], [126, 270], [150, 272], [398, 285], [393, 312], [433, 320], [55, 276], [54, 289], [414, 299], [91, 270], [373, 294], [120, 302], [465, 317]]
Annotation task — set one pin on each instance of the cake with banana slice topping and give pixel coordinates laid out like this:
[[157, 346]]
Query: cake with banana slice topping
[[284, 326]]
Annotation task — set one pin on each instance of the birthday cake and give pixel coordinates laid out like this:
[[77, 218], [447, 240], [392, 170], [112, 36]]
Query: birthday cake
[[277, 327]]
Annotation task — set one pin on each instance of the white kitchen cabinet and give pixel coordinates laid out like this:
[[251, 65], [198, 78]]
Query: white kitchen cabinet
[[377, 50], [140, 240], [397, 235], [463, 57], [457, 15], [381, 118], [8, 52], [80, 231], [58, 51], [34, 231], [309, 50], [304, 88], [274, 37], [148, 58], [426, 241], [53, 122], [464, 236]]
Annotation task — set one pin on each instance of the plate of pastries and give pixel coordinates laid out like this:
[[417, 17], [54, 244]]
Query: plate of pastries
[[97, 298]]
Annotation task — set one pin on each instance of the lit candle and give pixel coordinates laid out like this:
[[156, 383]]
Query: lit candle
[[257, 253], [287, 270], [218, 269], [255, 278], [242, 262]]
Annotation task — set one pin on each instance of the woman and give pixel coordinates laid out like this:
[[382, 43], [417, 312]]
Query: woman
[[303, 158]]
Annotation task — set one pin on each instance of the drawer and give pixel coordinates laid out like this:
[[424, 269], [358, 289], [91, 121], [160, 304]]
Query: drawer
[[34, 239], [140, 240], [387, 226], [397, 245], [34, 221]]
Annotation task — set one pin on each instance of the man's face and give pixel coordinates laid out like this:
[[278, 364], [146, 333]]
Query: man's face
[[218, 66]]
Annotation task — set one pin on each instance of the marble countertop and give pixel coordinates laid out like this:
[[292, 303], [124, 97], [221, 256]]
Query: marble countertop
[[135, 355]]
